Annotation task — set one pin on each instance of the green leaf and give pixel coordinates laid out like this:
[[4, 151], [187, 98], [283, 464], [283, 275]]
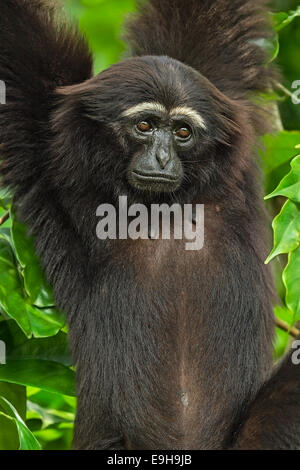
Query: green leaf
[[52, 400], [291, 279], [16, 304], [282, 19], [16, 395], [9, 437], [11, 294], [27, 439], [45, 375], [18, 346], [48, 416], [37, 288], [284, 314], [286, 227], [290, 185], [5, 221], [6, 234], [49, 434], [45, 322], [279, 149]]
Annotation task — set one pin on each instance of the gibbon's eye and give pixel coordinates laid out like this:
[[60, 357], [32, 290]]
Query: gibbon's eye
[[183, 133], [144, 126]]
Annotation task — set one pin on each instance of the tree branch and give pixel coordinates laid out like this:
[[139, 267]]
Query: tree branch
[[291, 330], [4, 218]]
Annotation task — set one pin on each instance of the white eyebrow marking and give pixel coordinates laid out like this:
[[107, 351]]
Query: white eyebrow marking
[[179, 111], [190, 113], [144, 107]]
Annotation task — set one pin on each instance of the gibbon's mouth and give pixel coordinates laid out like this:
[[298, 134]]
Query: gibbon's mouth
[[156, 182], [159, 177]]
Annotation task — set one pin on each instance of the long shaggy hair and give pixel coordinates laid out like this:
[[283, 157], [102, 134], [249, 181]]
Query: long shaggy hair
[[171, 347]]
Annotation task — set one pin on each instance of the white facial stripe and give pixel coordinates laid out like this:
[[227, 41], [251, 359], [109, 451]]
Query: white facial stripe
[[179, 111], [144, 108], [191, 114]]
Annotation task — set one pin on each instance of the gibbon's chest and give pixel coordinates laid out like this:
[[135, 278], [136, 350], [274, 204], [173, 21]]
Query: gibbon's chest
[[181, 259], [165, 327], [175, 324], [164, 277]]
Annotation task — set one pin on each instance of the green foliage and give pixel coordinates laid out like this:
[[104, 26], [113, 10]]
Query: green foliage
[[286, 227], [291, 278], [15, 301], [277, 151], [27, 441], [288, 60], [283, 19], [37, 393], [101, 21], [38, 291], [290, 185]]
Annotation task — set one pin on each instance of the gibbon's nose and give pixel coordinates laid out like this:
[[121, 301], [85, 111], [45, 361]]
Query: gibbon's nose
[[163, 157]]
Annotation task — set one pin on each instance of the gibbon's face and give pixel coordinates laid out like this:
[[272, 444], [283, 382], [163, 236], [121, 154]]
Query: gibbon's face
[[147, 127], [163, 136]]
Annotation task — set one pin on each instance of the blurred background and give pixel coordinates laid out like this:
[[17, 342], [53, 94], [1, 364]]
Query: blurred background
[[289, 61], [102, 21]]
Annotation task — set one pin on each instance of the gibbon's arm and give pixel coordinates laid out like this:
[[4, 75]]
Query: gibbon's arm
[[272, 422], [37, 54]]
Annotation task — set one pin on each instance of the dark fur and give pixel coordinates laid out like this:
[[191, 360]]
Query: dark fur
[[148, 320]]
